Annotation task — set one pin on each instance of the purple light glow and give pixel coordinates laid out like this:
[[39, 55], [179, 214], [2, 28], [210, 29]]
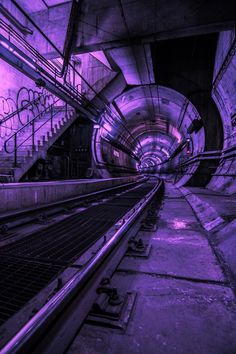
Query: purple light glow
[[165, 152], [11, 49], [176, 134], [107, 127]]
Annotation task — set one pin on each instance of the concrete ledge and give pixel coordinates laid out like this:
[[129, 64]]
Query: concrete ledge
[[207, 215], [14, 196], [224, 237], [226, 244]]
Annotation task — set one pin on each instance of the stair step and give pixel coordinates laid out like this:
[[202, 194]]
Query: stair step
[[42, 135], [6, 169], [9, 163], [19, 158]]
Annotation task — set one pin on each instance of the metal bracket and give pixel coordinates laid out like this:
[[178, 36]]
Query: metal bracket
[[137, 248], [3, 229], [56, 289], [119, 223], [42, 219], [150, 222], [112, 308]]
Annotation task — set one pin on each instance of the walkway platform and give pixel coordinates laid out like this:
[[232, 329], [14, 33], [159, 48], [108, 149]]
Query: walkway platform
[[184, 301], [15, 196]]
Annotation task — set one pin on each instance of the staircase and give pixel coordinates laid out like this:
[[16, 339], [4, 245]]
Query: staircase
[[31, 141]]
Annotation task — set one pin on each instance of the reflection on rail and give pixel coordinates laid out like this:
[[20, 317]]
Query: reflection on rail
[[47, 253]]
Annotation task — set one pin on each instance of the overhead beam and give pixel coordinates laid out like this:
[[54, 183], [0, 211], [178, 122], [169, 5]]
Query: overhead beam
[[101, 26], [30, 69]]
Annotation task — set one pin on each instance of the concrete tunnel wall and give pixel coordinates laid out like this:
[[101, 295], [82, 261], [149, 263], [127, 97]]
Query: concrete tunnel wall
[[109, 161], [224, 95], [154, 136]]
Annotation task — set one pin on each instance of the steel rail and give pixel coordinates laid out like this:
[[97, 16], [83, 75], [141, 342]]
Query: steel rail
[[62, 203], [38, 324]]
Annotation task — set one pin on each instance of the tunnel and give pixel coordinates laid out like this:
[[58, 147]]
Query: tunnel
[[117, 177], [154, 129]]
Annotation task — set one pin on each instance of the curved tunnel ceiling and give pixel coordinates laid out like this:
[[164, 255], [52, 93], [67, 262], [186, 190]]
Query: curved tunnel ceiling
[[156, 122]]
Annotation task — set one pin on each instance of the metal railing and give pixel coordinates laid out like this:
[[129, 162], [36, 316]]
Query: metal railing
[[55, 75], [32, 103], [45, 68], [210, 155], [32, 133], [41, 64]]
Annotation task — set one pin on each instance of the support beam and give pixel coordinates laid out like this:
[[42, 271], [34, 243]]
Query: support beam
[[30, 69], [101, 26]]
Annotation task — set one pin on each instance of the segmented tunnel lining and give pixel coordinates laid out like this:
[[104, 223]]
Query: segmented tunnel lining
[[28, 265]]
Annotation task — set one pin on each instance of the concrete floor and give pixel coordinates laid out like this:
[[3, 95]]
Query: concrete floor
[[184, 304]]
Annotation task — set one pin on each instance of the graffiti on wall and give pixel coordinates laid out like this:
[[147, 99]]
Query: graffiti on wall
[[28, 104], [7, 107]]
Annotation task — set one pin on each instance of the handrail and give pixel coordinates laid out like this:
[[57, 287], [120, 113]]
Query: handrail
[[53, 69], [28, 123], [207, 155], [44, 317], [38, 57], [18, 110], [69, 94], [32, 135], [52, 44], [15, 35]]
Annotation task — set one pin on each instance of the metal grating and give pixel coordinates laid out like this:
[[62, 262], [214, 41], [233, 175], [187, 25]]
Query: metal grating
[[61, 243], [25, 267], [20, 281], [127, 203]]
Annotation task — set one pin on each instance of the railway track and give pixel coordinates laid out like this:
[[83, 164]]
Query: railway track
[[88, 245], [14, 219]]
